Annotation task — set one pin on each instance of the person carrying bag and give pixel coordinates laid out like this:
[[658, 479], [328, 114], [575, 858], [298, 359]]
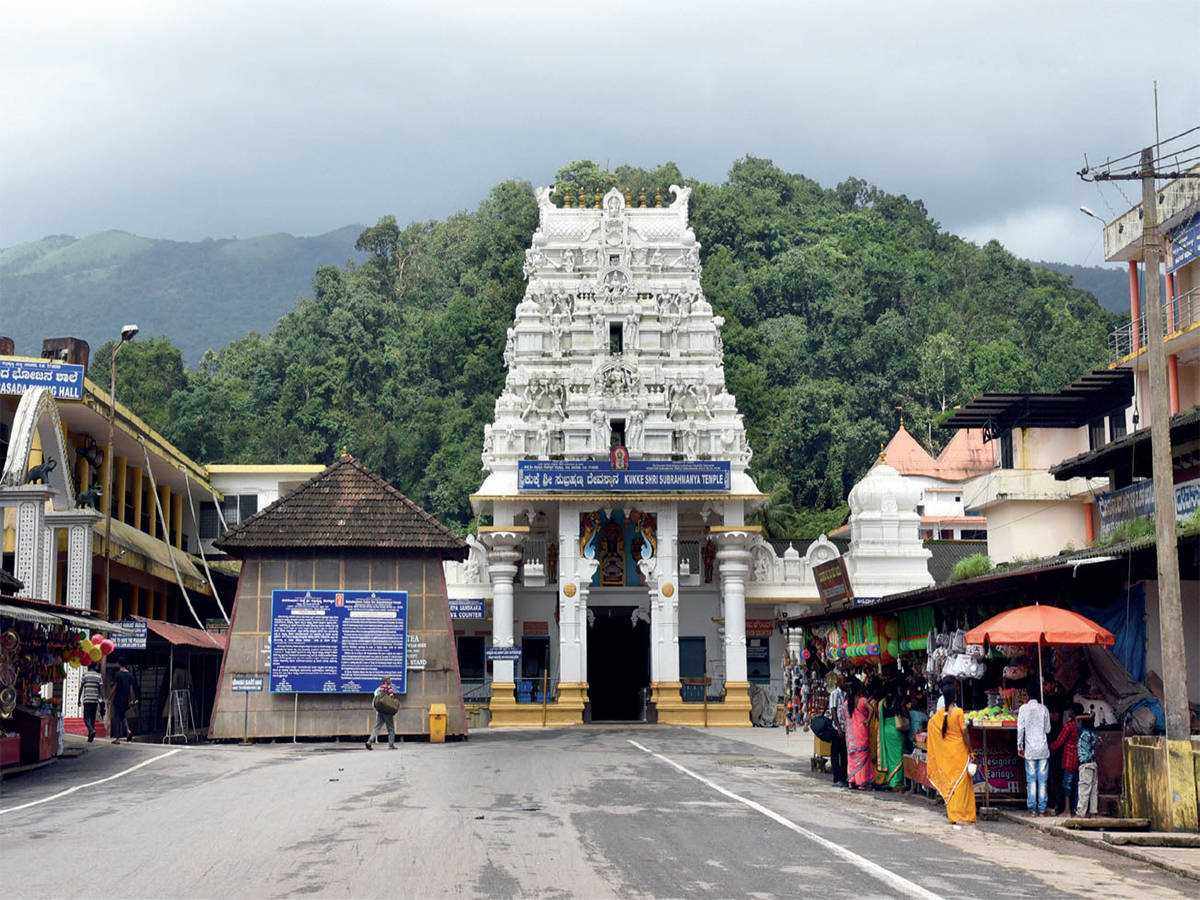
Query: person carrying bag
[[386, 704]]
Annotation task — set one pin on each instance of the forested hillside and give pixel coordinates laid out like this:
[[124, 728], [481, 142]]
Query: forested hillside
[[203, 293], [841, 305], [1108, 284]]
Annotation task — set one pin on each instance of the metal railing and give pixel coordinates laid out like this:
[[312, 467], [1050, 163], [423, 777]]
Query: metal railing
[[1181, 312]]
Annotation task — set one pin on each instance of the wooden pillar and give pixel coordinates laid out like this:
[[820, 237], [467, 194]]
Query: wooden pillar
[[136, 478], [135, 601], [122, 472], [1089, 522], [151, 511], [177, 521]]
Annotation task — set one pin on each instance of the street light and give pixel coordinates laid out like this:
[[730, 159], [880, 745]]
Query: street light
[[1088, 212], [128, 333]]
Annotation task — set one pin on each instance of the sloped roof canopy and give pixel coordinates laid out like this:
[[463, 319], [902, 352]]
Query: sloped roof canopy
[[906, 456], [1089, 397], [346, 507]]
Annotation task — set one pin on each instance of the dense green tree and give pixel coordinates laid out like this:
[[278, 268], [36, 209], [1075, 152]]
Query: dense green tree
[[149, 372]]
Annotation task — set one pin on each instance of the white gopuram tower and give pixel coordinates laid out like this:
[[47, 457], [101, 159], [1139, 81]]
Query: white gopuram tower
[[614, 346]]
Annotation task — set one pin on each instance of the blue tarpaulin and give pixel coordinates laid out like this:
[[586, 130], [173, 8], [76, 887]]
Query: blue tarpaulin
[[1125, 617]]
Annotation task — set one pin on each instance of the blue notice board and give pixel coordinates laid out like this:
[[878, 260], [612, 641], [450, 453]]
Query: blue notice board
[[641, 475], [338, 642], [65, 380]]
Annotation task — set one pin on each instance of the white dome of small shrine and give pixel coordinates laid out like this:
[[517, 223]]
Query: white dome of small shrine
[[884, 490]]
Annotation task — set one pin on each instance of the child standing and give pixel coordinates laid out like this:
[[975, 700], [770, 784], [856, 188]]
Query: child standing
[[1089, 773], [1068, 742]]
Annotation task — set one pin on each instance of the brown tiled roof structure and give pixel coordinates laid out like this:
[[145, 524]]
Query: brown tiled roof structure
[[347, 507]]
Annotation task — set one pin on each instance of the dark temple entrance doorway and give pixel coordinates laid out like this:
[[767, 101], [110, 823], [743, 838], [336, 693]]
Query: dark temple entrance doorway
[[618, 654]]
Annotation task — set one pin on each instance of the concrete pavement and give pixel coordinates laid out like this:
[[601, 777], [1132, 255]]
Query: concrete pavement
[[588, 812]]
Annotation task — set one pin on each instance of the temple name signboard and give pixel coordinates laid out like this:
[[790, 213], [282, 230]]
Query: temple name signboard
[[338, 642], [637, 476], [64, 380]]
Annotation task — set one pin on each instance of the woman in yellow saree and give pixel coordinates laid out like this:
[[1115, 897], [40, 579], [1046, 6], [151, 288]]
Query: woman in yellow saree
[[948, 756]]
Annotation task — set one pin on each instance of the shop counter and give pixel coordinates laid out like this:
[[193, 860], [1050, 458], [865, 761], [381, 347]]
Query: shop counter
[[995, 751]]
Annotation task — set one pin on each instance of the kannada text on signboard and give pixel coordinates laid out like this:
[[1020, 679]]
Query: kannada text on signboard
[[64, 380], [650, 476], [338, 642]]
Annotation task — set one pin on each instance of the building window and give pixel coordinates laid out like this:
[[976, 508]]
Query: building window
[[1096, 434], [946, 534], [1116, 425], [470, 658], [973, 534], [920, 509], [236, 508], [616, 339], [1006, 450]]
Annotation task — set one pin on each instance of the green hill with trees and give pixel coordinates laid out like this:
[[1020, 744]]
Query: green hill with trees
[[842, 305], [201, 293]]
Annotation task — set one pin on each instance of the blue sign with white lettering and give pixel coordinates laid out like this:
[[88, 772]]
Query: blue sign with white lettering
[[503, 653], [466, 609], [642, 475], [65, 380], [338, 642], [1185, 244]]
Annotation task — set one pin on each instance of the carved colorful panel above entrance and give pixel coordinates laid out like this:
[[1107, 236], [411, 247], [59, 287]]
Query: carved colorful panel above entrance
[[618, 540]]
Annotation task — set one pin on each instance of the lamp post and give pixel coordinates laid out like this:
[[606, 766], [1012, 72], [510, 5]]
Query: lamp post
[[128, 333]]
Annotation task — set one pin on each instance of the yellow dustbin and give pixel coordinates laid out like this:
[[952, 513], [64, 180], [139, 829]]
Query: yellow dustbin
[[437, 723]]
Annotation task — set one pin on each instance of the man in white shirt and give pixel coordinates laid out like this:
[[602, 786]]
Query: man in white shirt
[[1033, 730]]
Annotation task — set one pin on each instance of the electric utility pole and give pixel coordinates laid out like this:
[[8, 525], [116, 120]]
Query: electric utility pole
[[1170, 610]]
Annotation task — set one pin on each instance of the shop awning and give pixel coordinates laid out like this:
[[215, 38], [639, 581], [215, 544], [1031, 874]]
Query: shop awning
[[1130, 455], [138, 550], [185, 636], [27, 610]]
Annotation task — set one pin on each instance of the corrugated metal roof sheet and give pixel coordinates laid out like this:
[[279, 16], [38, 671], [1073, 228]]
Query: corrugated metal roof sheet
[[184, 636]]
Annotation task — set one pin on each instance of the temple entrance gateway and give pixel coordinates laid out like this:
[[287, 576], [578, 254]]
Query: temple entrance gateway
[[618, 664]]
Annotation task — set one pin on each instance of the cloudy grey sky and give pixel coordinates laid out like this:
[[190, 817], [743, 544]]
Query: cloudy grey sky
[[211, 119]]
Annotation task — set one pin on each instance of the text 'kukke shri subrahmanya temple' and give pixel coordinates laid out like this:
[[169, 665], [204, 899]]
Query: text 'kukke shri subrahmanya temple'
[[620, 561]]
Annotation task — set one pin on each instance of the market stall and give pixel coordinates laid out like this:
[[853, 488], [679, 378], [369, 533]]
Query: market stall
[[39, 643]]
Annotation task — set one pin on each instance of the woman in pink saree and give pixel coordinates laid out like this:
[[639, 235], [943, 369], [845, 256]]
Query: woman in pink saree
[[860, 767]]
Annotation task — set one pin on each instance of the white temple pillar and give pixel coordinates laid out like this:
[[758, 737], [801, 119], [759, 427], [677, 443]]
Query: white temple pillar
[[733, 560], [571, 669], [664, 610], [78, 525], [30, 502], [503, 543]]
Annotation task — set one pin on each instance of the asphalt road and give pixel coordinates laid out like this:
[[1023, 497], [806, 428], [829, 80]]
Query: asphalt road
[[594, 812]]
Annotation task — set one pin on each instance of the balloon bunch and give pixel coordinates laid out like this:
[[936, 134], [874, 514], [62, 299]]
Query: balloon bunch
[[88, 651]]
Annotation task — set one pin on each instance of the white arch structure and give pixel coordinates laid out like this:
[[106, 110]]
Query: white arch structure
[[38, 413], [43, 509]]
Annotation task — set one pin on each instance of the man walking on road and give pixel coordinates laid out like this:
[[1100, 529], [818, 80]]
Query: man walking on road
[[123, 696], [91, 692], [386, 706], [837, 747]]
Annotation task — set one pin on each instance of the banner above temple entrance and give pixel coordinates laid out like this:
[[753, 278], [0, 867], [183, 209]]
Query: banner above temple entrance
[[645, 476]]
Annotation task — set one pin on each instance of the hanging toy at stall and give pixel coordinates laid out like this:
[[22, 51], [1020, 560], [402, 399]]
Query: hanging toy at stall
[[871, 640], [914, 627]]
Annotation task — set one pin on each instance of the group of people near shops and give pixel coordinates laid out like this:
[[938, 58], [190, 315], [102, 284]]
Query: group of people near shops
[[870, 724]]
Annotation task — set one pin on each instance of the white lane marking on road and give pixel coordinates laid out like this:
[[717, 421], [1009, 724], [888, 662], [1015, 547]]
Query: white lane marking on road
[[876, 871], [80, 787]]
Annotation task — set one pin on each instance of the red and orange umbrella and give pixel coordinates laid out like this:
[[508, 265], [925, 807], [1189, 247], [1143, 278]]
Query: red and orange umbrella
[[1040, 625]]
